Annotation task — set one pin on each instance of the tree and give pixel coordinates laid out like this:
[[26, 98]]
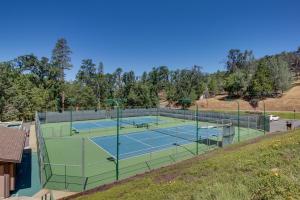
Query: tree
[[295, 65], [87, 72], [235, 84], [139, 95], [237, 60], [279, 73], [61, 60], [261, 84], [61, 57], [85, 99], [212, 87]]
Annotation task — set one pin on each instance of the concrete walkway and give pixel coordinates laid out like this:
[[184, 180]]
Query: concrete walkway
[[280, 125]]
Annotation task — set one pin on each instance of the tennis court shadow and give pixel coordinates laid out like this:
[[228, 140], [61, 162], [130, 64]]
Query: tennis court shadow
[[23, 171]]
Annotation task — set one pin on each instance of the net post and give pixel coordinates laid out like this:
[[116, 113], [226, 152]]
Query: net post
[[197, 127]]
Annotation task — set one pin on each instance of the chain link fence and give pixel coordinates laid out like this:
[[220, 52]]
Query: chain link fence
[[75, 161]]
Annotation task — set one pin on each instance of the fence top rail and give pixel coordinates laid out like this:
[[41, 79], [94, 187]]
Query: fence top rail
[[57, 164]]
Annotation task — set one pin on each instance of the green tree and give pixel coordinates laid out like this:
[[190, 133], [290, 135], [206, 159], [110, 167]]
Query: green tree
[[235, 84], [261, 84], [238, 60], [61, 57], [61, 60], [212, 86], [87, 72], [280, 74]]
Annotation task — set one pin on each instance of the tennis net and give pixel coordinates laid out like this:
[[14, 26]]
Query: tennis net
[[190, 132], [178, 132]]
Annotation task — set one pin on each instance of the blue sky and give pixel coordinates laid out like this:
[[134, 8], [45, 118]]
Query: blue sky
[[141, 34]]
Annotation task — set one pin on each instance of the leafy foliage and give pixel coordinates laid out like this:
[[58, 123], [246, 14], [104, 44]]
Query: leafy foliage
[[257, 79], [29, 83]]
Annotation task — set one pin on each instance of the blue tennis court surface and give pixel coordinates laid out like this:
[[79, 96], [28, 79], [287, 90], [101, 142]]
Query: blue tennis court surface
[[139, 143], [85, 126]]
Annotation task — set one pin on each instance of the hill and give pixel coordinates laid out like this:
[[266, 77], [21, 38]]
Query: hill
[[289, 101], [265, 168]]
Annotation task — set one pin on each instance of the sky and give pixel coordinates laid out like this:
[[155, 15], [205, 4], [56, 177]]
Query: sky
[[141, 34]]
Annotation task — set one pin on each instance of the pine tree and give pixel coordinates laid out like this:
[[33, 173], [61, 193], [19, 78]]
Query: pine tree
[[61, 57], [61, 60]]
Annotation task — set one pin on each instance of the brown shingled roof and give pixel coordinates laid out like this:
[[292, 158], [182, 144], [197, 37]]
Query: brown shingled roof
[[12, 142]]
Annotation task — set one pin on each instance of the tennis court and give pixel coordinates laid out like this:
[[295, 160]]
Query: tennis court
[[87, 126], [88, 158], [144, 142]]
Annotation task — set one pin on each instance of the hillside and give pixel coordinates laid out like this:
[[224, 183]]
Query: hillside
[[265, 168], [289, 101]]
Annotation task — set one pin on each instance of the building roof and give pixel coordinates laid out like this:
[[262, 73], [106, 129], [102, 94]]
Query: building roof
[[12, 143]]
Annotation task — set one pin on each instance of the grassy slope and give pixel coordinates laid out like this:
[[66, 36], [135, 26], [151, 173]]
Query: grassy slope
[[269, 169]]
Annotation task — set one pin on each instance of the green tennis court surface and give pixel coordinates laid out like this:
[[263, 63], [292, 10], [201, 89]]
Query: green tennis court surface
[[143, 142], [77, 161], [85, 126]]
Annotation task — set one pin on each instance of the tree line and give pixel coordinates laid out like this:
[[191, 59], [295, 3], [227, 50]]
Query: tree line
[[29, 83]]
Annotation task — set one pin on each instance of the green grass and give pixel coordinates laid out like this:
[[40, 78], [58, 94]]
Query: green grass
[[268, 169], [66, 158]]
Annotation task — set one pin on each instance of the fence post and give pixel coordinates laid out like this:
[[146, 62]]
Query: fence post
[[118, 132], [65, 176], [238, 120], [197, 131], [157, 115], [71, 121], [82, 156], [264, 118], [294, 119]]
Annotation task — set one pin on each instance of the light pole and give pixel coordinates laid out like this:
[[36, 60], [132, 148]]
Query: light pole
[[71, 115], [197, 131], [113, 101]]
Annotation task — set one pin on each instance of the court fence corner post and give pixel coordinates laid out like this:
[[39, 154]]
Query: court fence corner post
[[118, 132], [197, 129]]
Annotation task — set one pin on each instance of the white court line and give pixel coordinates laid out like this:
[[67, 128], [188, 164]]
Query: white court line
[[154, 138], [102, 148], [165, 145], [169, 146], [137, 140]]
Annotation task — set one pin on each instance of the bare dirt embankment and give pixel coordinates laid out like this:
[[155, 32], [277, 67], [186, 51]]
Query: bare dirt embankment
[[289, 101]]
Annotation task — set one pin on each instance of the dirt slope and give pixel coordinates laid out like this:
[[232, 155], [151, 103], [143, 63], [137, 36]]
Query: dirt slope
[[288, 102]]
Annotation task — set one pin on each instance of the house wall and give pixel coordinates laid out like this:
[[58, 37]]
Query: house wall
[[7, 178]]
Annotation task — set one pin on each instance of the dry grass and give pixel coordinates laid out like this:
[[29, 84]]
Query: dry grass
[[288, 102]]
